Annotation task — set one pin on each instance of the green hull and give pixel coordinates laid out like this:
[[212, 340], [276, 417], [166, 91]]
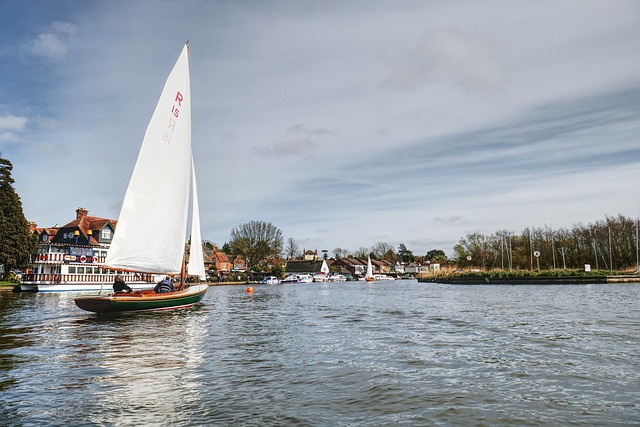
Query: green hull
[[120, 304]]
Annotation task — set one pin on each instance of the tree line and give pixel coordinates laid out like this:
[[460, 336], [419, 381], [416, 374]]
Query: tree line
[[608, 244]]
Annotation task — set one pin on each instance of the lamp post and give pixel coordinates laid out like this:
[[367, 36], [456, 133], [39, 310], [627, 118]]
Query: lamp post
[[76, 233], [89, 234]]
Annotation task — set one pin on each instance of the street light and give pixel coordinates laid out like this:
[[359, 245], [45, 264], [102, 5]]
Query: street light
[[89, 234], [76, 233]]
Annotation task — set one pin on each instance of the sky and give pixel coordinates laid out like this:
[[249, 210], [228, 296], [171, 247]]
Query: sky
[[342, 123]]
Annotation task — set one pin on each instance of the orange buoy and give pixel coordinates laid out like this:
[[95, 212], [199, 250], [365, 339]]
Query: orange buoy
[[250, 289]]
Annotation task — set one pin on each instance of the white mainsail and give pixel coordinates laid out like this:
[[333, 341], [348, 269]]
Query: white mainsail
[[369, 274], [196, 258], [152, 224], [325, 268]]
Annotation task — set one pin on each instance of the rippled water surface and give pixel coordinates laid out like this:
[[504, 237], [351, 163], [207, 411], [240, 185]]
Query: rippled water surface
[[348, 354]]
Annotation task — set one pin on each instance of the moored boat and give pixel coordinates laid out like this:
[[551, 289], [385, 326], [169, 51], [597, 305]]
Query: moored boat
[[305, 278], [270, 280], [71, 258], [290, 278], [320, 277]]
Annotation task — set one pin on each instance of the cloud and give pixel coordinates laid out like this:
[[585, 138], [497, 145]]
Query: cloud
[[10, 126], [8, 137], [51, 45], [449, 56], [300, 128], [302, 147], [11, 122], [65, 28]]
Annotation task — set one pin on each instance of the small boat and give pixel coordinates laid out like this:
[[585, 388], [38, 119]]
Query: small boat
[[305, 278], [291, 278], [320, 277], [337, 277], [153, 220], [270, 280], [369, 275]]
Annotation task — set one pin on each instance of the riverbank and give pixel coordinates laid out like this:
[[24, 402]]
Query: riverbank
[[8, 286], [520, 278]]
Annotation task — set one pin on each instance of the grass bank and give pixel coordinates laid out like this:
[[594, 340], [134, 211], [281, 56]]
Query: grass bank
[[7, 286], [557, 276]]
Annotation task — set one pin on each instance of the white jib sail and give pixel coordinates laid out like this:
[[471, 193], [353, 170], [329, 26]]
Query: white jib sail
[[196, 259], [151, 228]]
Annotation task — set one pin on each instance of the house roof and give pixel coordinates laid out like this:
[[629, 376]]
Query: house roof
[[219, 256], [350, 261], [296, 266], [93, 223]]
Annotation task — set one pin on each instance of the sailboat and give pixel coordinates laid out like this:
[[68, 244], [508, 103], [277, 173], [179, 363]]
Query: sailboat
[[323, 274], [369, 276], [153, 220]]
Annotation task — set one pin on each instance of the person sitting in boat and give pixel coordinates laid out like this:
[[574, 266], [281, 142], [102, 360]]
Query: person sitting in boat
[[163, 286], [120, 286]]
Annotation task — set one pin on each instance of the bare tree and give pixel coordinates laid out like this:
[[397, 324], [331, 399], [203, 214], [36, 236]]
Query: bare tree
[[340, 253], [362, 253], [384, 250], [291, 250], [257, 241]]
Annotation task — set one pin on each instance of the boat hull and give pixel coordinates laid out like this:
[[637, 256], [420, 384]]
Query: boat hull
[[143, 301]]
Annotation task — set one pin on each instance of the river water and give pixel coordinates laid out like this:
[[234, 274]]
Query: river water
[[336, 354]]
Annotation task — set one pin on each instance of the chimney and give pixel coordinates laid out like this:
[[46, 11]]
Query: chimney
[[80, 212]]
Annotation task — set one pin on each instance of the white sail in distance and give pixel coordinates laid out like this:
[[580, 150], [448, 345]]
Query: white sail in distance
[[151, 228], [369, 274], [325, 268]]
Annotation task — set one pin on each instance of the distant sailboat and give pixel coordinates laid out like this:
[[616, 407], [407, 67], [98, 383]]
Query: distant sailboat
[[152, 224], [323, 274], [369, 276], [325, 268]]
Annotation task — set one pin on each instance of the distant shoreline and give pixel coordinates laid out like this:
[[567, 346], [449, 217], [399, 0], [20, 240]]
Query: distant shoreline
[[533, 280]]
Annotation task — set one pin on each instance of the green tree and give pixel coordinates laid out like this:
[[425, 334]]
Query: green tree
[[16, 243], [257, 241], [405, 254], [437, 256]]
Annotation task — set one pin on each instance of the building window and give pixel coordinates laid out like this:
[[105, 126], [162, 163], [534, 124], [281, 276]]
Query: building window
[[105, 234]]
